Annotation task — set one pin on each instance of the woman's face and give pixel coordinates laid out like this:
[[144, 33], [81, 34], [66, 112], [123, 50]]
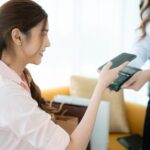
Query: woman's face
[[34, 44]]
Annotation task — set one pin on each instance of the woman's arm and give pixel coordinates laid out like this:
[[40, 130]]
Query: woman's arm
[[80, 137]]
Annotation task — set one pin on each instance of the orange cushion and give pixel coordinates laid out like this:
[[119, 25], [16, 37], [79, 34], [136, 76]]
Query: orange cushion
[[136, 116], [50, 93]]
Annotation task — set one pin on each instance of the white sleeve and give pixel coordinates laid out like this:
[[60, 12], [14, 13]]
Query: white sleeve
[[30, 124], [141, 48]]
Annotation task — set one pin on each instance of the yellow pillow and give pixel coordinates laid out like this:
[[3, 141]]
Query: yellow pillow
[[84, 87]]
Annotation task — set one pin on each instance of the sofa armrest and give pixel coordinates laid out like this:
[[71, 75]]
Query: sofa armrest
[[48, 94], [136, 116]]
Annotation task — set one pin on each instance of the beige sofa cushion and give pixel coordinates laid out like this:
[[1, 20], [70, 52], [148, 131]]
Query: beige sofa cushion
[[84, 87]]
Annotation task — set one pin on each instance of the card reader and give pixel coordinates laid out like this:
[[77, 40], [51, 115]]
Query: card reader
[[124, 75]]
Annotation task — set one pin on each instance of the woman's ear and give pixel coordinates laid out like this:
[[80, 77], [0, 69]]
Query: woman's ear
[[17, 36]]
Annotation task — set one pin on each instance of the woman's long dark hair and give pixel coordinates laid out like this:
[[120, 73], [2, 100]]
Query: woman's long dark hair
[[24, 15], [36, 94], [21, 14], [144, 6]]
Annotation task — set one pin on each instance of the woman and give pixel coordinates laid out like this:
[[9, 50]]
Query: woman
[[142, 49], [23, 124]]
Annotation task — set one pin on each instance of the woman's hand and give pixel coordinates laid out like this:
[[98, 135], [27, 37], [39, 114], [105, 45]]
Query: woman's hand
[[107, 75], [137, 81]]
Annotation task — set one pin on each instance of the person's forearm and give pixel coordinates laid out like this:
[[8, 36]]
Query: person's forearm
[[80, 137], [147, 72]]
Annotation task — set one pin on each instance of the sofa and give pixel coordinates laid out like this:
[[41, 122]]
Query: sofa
[[135, 115]]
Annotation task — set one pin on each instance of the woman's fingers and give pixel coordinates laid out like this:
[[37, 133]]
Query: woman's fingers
[[133, 81], [119, 68], [107, 66], [128, 83], [134, 85]]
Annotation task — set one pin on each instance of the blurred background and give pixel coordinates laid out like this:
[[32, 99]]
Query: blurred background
[[84, 34]]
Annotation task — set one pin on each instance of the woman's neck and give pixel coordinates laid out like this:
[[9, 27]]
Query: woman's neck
[[18, 68], [14, 63]]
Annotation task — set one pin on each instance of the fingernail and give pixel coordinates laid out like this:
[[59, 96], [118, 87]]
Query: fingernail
[[123, 86]]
